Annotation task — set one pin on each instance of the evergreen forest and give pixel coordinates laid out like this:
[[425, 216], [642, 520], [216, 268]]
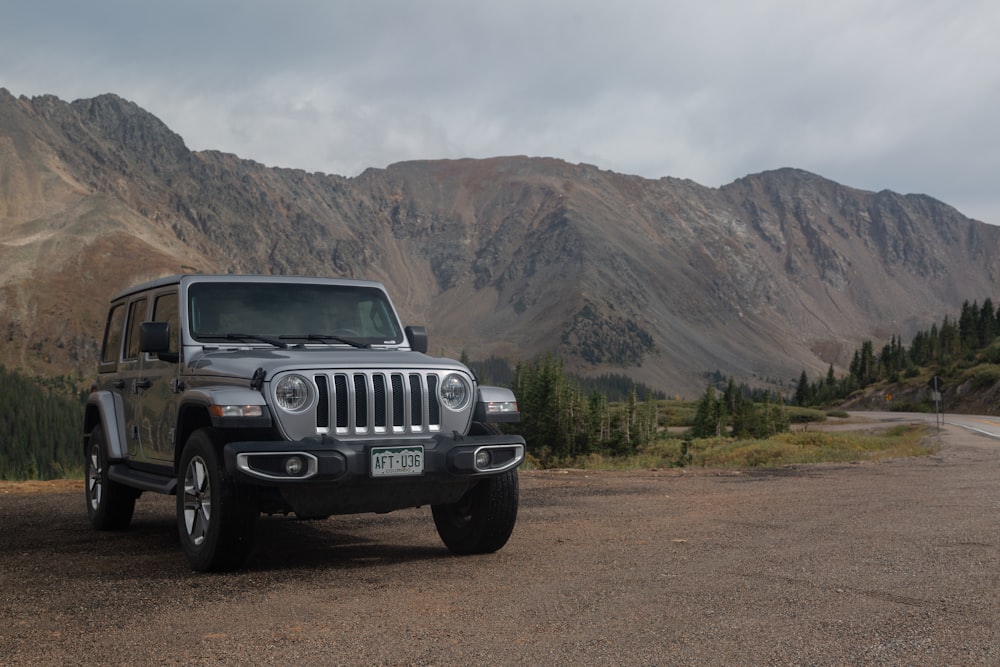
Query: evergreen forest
[[41, 422], [943, 350]]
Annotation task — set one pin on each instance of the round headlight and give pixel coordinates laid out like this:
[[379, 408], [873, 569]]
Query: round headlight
[[292, 393], [455, 392]]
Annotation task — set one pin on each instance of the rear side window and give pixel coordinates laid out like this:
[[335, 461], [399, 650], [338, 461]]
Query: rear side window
[[136, 312], [113, 334]]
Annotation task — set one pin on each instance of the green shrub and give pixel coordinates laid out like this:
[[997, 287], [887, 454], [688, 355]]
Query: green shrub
[[680, 416], [985, 376], [798, 415], [911, 406]]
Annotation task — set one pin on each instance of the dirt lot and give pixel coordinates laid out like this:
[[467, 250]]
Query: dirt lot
[[894, 563]]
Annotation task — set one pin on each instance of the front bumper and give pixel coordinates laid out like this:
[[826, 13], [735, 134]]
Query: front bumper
[[332, 460], [335, 476]]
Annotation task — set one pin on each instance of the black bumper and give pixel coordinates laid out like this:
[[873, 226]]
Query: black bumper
[[336, 477]]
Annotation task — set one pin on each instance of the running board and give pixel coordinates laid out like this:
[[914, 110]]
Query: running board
[[138, 479]]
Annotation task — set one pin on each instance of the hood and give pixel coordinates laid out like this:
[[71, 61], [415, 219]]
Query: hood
[[243, 362]]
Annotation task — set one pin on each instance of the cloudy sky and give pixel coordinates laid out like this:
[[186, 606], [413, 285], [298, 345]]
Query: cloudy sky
[[875, 94]]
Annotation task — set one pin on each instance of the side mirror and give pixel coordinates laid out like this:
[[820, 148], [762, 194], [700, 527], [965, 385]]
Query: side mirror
[[417, 337], [154, 338]]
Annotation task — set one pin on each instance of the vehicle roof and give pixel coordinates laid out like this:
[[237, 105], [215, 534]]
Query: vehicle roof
[[189, 278]]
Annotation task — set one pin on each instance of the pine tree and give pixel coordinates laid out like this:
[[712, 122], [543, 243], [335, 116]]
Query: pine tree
[[742, 417], [987, 326], [968, 326], [802, 390], [709, 419]]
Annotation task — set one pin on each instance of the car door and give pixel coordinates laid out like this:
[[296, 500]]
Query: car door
[[129, 380], [107, 369], [159, 385]]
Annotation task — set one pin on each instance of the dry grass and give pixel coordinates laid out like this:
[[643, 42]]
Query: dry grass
[[801, 447], [39, 486]]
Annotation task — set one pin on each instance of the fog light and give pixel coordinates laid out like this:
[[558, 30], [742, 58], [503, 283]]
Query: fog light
[[483, 458], [293, 465]]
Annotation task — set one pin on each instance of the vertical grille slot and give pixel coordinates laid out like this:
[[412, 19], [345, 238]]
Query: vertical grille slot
[[416, 400], [343, 413], [433, 407], [360, 402], [381, 403], [398, 402], [323, 404]]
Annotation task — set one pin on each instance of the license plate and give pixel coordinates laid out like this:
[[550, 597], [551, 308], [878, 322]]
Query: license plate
[[397, 461]]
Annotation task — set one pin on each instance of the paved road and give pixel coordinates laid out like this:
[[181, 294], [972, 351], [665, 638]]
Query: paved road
[[989, 426], [896, 563], [982, 425]]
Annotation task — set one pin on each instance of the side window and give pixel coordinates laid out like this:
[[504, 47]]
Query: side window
[[136, 313], [113, 334], [166, 309]]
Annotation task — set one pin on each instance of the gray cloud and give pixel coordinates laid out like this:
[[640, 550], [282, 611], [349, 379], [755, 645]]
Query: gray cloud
[[898, 94]]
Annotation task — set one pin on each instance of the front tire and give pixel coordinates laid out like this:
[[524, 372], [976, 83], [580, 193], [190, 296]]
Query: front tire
[[110, 505], [215, 515], [483, 519]]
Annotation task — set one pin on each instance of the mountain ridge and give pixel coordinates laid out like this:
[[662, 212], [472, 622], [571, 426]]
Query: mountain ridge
[[512, 256]]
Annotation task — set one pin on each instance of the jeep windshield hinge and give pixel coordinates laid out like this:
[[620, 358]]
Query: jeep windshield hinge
[[257, 381]]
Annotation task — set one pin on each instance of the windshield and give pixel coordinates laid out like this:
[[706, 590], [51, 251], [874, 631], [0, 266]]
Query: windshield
[[314, 313]]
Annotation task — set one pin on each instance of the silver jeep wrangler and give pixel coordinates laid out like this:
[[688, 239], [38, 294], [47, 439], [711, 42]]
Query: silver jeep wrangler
[[250, 394]]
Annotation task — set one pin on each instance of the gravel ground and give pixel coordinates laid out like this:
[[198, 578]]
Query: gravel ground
[[895, 563]]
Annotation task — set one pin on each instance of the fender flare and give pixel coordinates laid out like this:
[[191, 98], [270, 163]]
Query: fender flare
[[106, 408], [205, 397], [496, 404], [223, 395]]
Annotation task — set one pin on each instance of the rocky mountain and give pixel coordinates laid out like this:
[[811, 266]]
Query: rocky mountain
[[663, 280]]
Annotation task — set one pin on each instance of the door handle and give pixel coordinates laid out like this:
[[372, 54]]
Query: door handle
[[118, 384], [143, 383]]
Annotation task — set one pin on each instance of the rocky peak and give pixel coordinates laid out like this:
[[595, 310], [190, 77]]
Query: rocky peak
[[134, 130]]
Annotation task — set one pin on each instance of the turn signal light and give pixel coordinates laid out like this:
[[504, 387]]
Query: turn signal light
[[236, 410], [501, 407]]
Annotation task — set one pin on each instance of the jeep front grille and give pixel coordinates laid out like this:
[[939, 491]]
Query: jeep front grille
[[370, 402]]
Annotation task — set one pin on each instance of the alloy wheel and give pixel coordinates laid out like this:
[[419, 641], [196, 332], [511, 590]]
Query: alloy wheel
[[197, 500]]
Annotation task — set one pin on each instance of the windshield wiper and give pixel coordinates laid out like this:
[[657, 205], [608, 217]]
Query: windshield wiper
[[324, 338], [245, 337]]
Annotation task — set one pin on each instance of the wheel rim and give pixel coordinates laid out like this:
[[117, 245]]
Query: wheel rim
[[95, 485], [197, 500]]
